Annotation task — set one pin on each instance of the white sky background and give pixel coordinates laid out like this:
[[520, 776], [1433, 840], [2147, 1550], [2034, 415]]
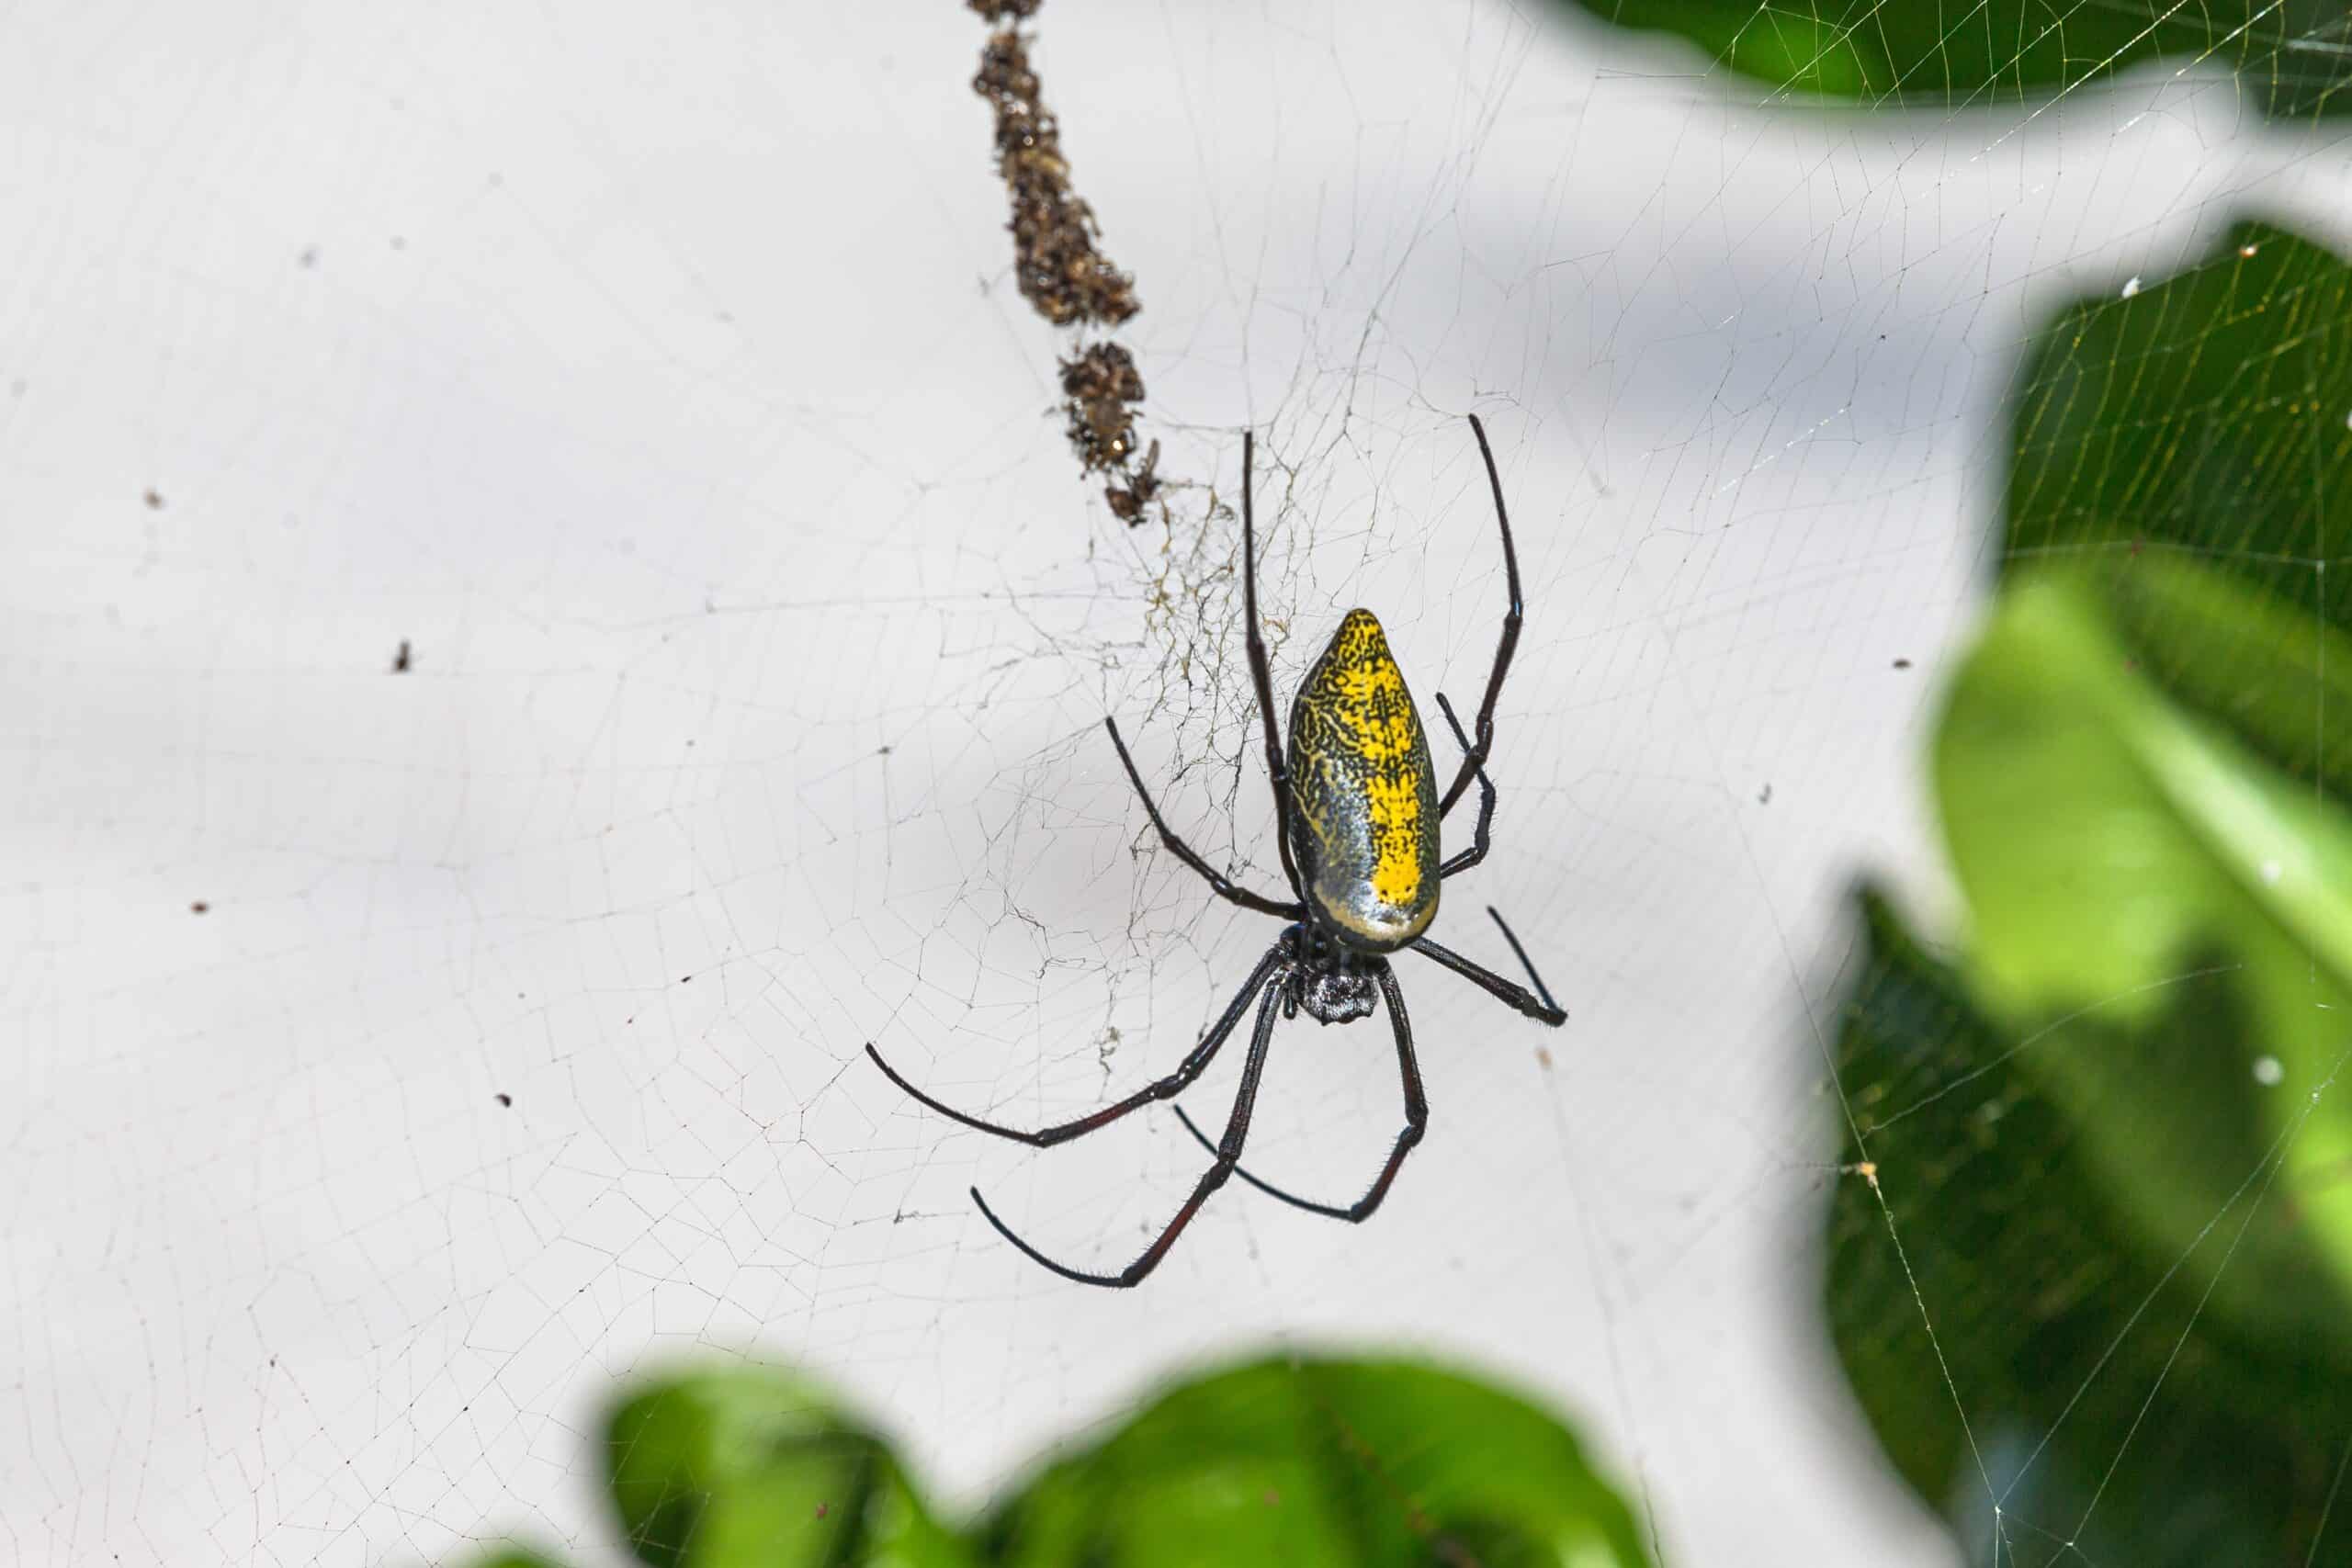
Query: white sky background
[[667, 392]]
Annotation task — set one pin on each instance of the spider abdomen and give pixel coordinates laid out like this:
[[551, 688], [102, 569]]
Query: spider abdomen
[[1364, 828]]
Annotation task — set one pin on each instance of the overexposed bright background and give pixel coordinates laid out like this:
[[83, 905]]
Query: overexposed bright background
[[657, 376]]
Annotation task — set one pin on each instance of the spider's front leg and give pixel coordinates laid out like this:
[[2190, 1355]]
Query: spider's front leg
[[1262, 676], [1222, 886], [1479, 839], [1485, 729]]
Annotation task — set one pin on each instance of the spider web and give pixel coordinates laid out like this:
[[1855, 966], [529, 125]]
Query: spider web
[[400, 1058]]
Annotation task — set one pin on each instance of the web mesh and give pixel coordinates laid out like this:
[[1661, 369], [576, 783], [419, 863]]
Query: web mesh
[[404, 1055]]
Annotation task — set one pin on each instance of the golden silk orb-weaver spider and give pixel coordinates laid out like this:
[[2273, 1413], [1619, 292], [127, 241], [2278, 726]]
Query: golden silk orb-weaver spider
[[1356, 814]]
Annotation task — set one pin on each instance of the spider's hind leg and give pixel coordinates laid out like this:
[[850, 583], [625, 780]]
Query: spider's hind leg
[[1229, 1158], [1417, 1121]]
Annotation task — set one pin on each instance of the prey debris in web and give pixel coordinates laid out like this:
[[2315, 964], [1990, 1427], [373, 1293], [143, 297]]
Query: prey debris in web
[[1059, 267]]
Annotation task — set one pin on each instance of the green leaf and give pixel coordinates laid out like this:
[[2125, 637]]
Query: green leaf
[[2093, 1285], [2290, 56], [512, 1556], [2182, 446], [755, 1468], [2059, 1383], [1352, 1464], [2103, 838]]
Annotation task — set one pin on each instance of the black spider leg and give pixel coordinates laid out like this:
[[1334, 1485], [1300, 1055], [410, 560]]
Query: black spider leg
[[1417, 1121], [1193, 1065], [1526, 962], [1544, 1012], [1229, 1157], [1478, 838], [1224, 887], [1477, 756], [1261, 671], [1470, 857]]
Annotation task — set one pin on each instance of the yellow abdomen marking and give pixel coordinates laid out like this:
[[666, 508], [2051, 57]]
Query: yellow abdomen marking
[[1366, 824]]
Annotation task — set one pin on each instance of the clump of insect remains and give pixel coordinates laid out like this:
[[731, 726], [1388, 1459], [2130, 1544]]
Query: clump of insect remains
[[1103, 386], [1057, 267]]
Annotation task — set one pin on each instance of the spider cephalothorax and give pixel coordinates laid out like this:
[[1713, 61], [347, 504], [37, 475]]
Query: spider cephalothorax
[[1333, 983], [1356, 815]]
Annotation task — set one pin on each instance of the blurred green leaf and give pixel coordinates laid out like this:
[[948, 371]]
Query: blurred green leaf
[[2102, 837], [511, 1556], [754, 1467], [2095, 1290], [2033, 1361], [1350, 1463], [2181, 446], [2290, 56], [1306, 1462]]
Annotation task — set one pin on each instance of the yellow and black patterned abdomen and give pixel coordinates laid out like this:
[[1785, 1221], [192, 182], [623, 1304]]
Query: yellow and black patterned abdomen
[[1365, 824]]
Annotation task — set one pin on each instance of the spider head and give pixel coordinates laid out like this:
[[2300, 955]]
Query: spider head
[[1337, 995], [1332, 983]]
